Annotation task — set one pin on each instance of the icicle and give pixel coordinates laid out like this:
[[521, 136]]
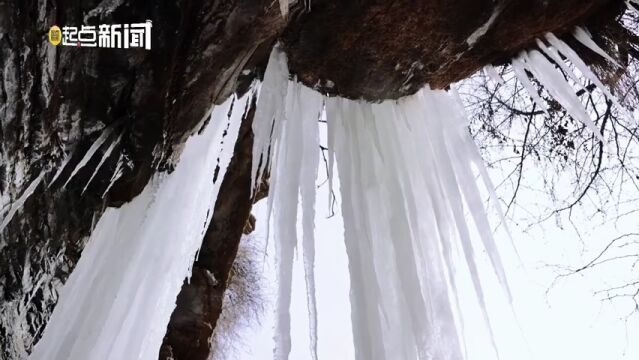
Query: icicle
[[584, 69], [60, 169], [475, 157], [310, 100], [292, 142], [520, 73], [382, 183], [118, 301], [295, 160], [116, 175], [490, 71], [17, 205], [406, 175], [545, 72], [89, 154], [554, 55], [330, 140], [269, 106], [105, 156], [364, 294], [584, 37]]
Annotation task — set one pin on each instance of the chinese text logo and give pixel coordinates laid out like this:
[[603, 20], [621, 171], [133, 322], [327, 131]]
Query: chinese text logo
[[119, 36]]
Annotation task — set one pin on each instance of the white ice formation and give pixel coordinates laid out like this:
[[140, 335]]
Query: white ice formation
[[117, 302], [407, 176]]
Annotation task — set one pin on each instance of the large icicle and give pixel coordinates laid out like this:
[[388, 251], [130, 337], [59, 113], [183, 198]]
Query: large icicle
[[406, 178], [583, 36], [292, 142], [118, 300], [294, 168], [406, 175], [308, 100], [269, 106]]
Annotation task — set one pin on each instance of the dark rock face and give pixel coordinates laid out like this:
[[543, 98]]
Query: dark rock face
[[388, 49]]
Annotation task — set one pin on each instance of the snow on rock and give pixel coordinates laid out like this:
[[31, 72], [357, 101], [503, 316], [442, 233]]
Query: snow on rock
[[482, 30], [406, 177], [117, 302]]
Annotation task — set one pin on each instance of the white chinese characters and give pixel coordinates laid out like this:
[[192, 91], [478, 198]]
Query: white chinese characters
[[117, 36]]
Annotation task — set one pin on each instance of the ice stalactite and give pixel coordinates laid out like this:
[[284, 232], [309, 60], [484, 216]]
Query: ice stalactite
[[270, 105], [406, 177], [553, 80], [116, 174], [19, 202], [520, 72], [584, 37], [118, 300], [286, 128], [89, 154], [105, 156], [15, 206]]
